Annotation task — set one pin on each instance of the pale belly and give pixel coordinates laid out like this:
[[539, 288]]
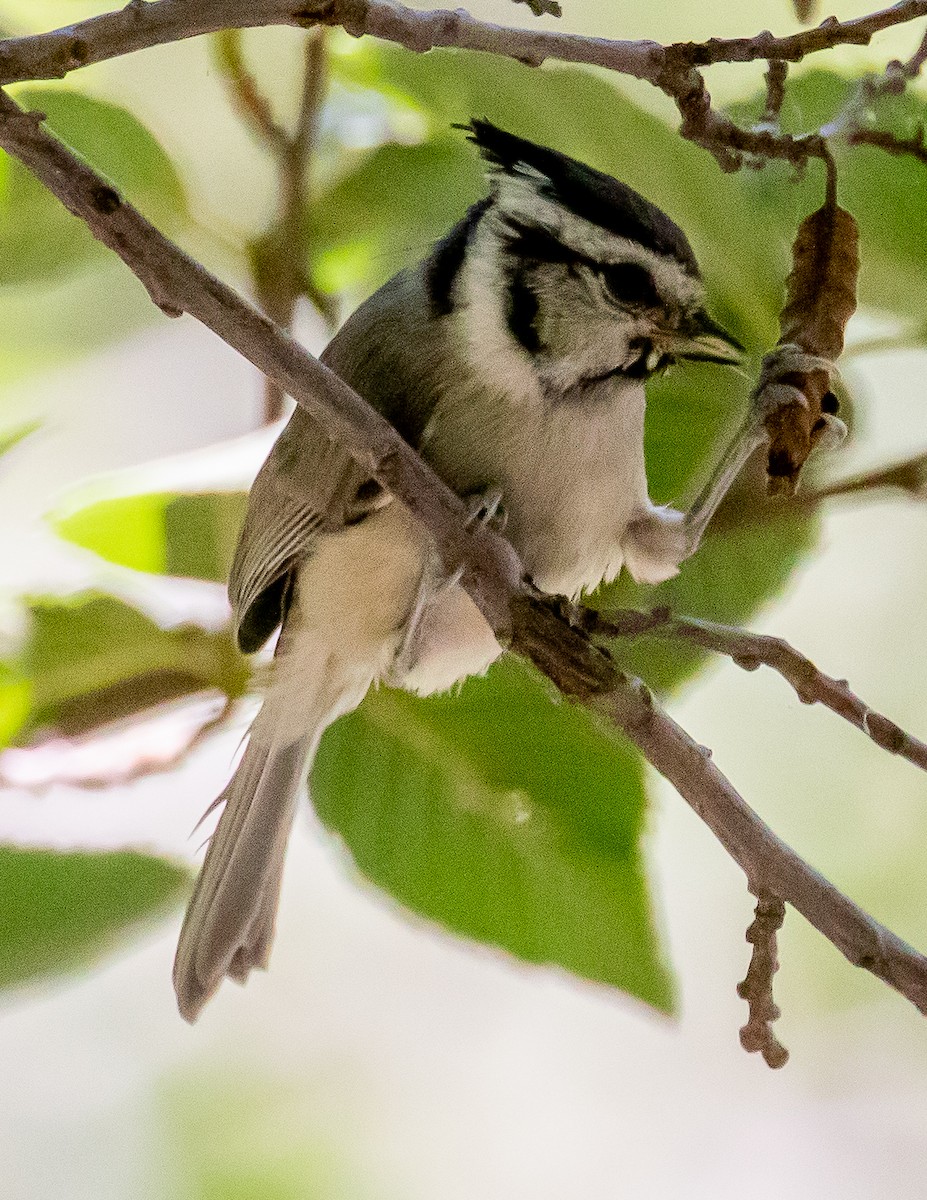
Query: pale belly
[[571, 477], [572, 491]]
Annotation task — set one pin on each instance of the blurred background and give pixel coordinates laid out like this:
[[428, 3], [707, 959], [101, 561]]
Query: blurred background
[[382, 1057]]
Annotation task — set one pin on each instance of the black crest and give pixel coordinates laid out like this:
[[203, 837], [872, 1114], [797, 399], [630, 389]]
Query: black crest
[[590, 194]]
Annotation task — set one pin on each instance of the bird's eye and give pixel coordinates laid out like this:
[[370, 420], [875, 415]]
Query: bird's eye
[[630, 284]]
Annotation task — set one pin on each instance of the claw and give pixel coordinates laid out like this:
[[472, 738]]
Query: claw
[[486, 508], [778, 367]]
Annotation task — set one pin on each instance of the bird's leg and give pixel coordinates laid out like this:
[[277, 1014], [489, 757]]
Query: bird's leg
[[484, 508], [665, 537], [775, 390], [750, 436]]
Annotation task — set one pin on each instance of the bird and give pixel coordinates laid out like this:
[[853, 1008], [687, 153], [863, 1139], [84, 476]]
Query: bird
[[514, 359]]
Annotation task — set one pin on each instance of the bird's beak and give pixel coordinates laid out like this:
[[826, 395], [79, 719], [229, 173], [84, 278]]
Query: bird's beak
[[704, 340]]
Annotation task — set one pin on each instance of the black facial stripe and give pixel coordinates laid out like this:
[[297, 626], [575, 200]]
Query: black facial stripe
[[443, 266], [534, 244], [522, 312]]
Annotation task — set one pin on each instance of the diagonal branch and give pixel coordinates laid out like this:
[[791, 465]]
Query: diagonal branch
[[280, 256], [142, 24], [753, 650], [538, 627], [771, 867], [178, 284], [674, 68]]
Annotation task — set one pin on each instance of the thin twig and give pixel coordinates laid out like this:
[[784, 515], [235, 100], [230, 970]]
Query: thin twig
[[137, 27], [538, 627], [893, 81], [908, 476], [805, 9], [757, 988], [280, 257], [776, 74], [913, 146], [243, 87], [674, 68], [753, 650], [731, 144], [542, 8]]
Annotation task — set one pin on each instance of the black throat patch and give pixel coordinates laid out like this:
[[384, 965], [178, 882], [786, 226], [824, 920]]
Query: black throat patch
[[447, 257], [522, 310]]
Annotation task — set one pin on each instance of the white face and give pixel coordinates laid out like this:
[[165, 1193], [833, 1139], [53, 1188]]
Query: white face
[[574, 305]]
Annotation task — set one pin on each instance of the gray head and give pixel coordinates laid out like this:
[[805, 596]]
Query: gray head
[[568, 274]]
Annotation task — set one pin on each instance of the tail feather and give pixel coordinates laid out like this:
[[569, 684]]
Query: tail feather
[[352, 599], [229, 923]]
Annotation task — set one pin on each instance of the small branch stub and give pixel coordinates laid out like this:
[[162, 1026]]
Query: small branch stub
[[805, 10], [821, 298], [542, 8], [757, 1035], [915, 146]]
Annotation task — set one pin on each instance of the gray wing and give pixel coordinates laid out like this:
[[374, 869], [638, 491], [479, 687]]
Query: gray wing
[[390, 351], [308, 486]]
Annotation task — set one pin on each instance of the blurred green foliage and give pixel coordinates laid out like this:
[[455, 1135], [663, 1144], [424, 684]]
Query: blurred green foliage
[[39, 239], [496, 811], [61, 911], [91, 660], [237, 1136], [167, 533]]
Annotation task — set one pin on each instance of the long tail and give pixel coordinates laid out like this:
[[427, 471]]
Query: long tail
[[352, 600], [229, 925]]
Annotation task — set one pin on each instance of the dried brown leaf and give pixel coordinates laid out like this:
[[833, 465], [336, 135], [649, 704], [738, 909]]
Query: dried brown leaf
[[821, 290], [820, 299]]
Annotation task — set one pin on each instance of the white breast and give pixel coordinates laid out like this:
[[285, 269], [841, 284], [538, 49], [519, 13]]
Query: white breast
[[571, 470], [571, 473]]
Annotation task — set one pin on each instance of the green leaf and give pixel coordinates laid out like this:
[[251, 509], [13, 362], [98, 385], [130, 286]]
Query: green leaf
[[169, 533], [91, 660], [15, 701], [39, 238], [12, 437], [505, 817], [50, 322], [116, 143], [60, 911], [388, 210]]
